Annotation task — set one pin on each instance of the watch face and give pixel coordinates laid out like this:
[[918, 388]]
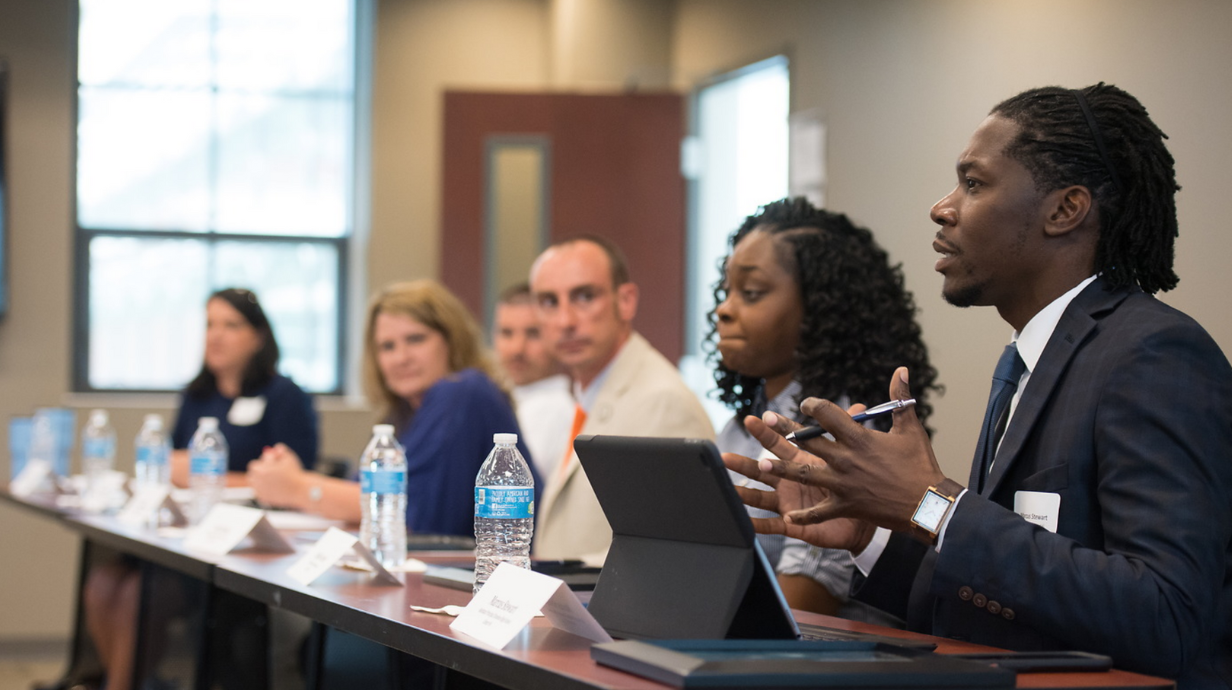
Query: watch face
[[932, 511]]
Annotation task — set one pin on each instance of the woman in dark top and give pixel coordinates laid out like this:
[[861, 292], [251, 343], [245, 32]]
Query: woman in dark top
[[239, 384], [426, 368], [256, 407]]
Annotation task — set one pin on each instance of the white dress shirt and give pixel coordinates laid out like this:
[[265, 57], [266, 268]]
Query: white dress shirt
[[545, 413]]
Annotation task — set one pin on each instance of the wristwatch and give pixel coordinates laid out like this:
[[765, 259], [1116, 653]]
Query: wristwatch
[[934, 506]]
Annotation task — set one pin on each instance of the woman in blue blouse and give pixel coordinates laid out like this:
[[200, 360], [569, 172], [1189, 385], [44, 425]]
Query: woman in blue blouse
[[239, 384], [426, 369]]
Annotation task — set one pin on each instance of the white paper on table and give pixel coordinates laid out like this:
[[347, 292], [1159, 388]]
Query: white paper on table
[[293, 521], [511, 598], [230, 494], [226, 525], [410, 565]]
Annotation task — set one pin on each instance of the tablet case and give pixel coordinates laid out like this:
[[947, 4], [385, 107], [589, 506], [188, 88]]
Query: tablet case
[[684, 560]]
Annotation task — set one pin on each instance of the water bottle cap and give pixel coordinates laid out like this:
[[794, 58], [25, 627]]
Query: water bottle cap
[[505, 439], [98, 417], [208, 423], [154, 421], [383, 430]]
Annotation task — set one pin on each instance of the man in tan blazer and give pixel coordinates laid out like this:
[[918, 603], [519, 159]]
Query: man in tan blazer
[[622, 385]]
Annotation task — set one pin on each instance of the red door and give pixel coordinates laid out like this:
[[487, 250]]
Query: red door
[[614, 170]]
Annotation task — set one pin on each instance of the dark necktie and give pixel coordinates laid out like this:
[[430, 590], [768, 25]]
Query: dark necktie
[[1004, 382]]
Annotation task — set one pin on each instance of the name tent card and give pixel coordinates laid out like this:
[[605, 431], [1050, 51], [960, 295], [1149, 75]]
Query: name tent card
[[36, 478], [226, 525], [331, 548], [513, 596], [146, 507], [106, 494]]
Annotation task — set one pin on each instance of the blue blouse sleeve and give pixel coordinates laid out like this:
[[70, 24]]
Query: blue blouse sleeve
[[446, 444]]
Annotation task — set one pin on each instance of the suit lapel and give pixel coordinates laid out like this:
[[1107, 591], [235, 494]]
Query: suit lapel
[[1072, 330], [618, 380]]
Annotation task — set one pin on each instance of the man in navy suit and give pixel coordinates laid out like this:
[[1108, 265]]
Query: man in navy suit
[[1098, 512]]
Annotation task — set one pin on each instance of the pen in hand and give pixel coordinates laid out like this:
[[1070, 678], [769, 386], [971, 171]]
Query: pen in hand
[[815, 431]]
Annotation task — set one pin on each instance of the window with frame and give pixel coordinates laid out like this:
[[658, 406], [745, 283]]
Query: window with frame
[[215, 148]]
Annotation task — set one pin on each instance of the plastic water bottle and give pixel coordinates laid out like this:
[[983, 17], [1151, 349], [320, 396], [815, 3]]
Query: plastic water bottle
[[153, 453], [98, 446], [382, 480], [504, 509], [207, 461], [42, 452]]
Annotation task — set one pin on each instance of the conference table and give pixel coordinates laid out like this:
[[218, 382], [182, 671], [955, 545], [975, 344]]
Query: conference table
[[540, 658]]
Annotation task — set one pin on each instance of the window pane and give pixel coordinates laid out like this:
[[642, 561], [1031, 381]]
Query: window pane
[[297, 284], [204, 120], [143, 160], [285, 45], [742, 124], [147, 318], [144, 43], [147, 306], [283, 166], [255, 135]]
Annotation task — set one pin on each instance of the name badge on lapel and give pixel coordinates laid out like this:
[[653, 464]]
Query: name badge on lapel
[[246, 411]]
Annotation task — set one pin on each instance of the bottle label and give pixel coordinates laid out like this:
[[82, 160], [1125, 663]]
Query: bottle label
[[504, 502], [151, 455], [97, 448], [382, 481], [207, 464]]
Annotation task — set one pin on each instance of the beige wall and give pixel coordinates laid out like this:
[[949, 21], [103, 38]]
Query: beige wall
[[37, 568], [422, 48], [900, 84], [611, 44]]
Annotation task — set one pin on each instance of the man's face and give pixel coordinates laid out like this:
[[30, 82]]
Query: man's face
[[520, 346], [584, 318], [990, 224]]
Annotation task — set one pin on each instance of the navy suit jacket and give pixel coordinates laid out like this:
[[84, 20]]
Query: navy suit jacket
[[1128, 417]]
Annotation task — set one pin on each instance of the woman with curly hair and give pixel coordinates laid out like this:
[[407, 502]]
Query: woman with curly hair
[[809, 306]]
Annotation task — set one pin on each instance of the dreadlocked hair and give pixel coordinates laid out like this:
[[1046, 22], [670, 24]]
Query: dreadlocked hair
[[1137, 208], [858, 321]]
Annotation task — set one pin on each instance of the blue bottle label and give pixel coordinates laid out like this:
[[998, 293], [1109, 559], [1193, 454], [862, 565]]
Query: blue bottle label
[[152, 455], [382, 481], [97, 448], [207, 464], [504, 502]]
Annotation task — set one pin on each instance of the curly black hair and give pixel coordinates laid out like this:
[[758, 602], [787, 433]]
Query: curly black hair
[[859, 321], [1101, 138]]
